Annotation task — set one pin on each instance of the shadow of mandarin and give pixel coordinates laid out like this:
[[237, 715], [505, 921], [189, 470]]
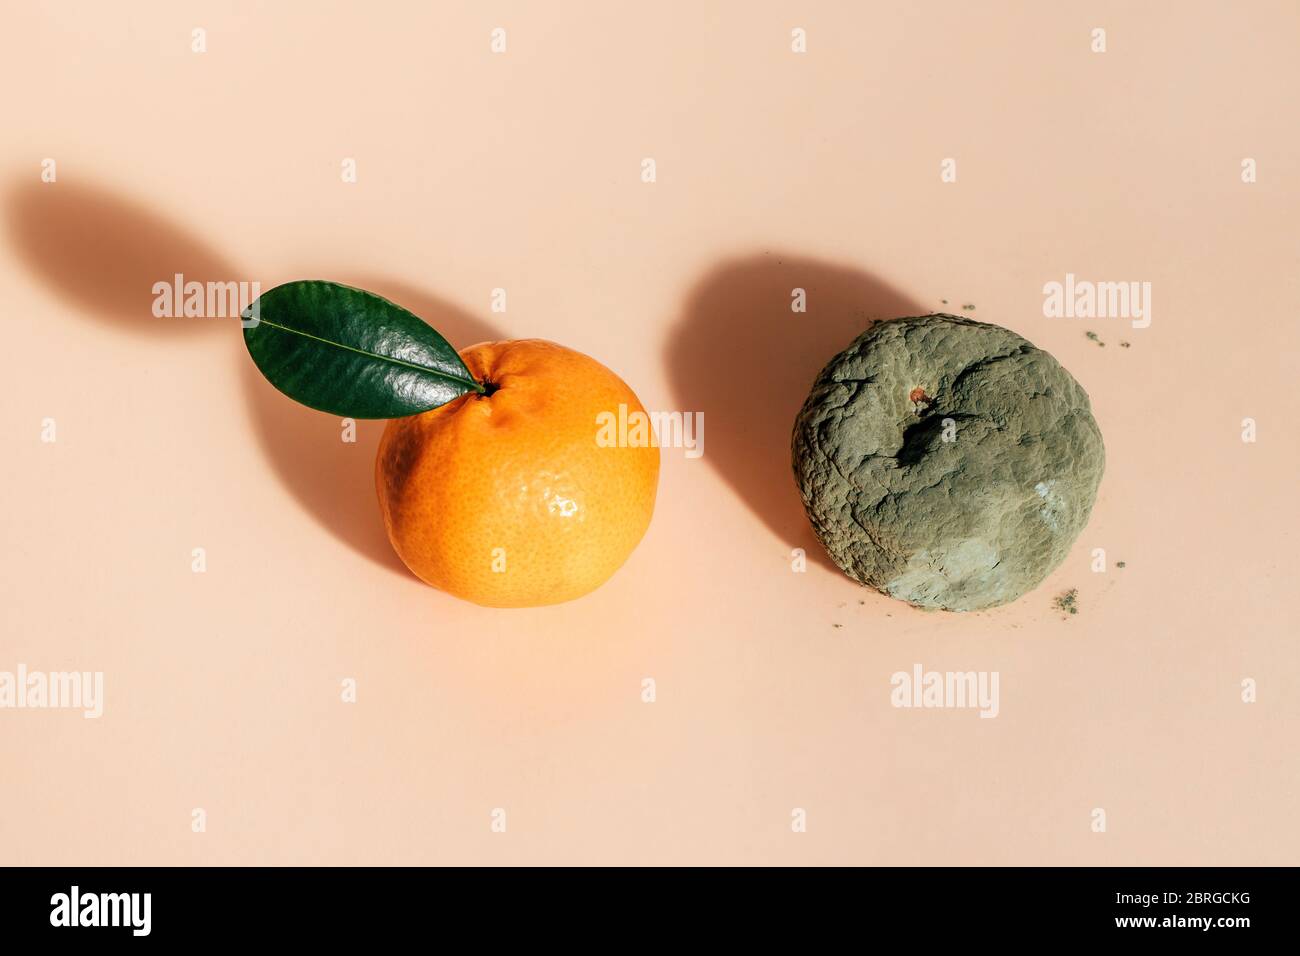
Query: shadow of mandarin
[[331, 479]]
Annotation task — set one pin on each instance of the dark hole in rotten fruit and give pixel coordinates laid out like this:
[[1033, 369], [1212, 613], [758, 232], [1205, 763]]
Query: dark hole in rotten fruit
[[917, 439], [920, 438]]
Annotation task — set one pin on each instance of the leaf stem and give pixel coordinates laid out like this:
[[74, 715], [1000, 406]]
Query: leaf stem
[[478, 386]]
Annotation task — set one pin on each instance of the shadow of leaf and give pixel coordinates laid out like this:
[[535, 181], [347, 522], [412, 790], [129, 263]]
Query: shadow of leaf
[[103, 254]]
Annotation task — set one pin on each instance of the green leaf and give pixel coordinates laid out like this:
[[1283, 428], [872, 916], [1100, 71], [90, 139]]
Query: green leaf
[[351, 353]]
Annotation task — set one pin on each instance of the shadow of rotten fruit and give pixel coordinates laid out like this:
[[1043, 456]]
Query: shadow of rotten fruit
[[741, 355]]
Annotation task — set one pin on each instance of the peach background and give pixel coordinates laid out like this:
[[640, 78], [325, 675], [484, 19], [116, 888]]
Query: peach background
[[521, 171]]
